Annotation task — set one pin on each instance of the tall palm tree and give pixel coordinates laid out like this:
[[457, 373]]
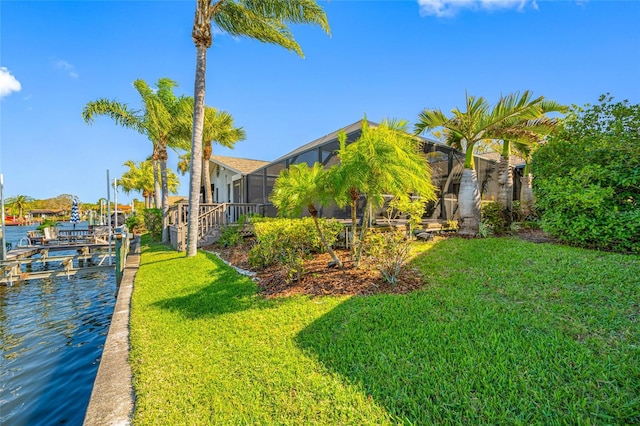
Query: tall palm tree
[[466, 128], [384, 160], [265, 21], [159, 121], [219, 128], [523, 138], [302, 186]]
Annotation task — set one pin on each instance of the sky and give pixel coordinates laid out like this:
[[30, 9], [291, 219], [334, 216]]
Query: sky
[[383, 59]]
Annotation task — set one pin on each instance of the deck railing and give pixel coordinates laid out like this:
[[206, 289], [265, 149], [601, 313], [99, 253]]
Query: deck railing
[[211, 218]]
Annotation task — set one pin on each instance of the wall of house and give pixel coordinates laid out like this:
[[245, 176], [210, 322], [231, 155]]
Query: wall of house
[[222, 180]]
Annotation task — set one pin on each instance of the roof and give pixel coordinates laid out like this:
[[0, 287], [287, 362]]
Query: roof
[[45, 211], [351, 128], [238, 165], [176, 199]]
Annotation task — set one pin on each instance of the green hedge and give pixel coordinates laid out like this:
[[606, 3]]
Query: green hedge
[[587, 177]]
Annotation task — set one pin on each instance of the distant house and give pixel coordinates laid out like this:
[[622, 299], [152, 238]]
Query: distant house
[[45, 213], [228, 178]]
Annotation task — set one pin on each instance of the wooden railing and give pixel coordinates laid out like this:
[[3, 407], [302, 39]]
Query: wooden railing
[[211, 218]]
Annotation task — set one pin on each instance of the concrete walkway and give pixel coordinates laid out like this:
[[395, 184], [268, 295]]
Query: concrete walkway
[[112, 398]]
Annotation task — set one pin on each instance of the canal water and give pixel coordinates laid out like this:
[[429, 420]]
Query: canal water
[[52, 332]]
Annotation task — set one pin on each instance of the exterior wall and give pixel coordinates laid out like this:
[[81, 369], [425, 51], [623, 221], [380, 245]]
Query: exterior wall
[[223, 188]]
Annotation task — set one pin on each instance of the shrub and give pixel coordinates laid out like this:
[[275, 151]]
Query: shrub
[[47, 223], [153, 223], [587, 177], [288, 241], [230, 235], [135, 223], [387, 252], [494, 219]]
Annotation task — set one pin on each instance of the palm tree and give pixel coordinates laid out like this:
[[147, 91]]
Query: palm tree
[[218, 127], [524, 138], [159, 121], [466, 128], [265, 21], [301, 186], [19, 202], [139, 178], [385, 160]]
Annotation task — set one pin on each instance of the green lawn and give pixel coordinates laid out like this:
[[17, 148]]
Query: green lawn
[[505, 332]]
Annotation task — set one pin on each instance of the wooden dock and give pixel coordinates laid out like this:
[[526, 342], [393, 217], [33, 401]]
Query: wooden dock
[[89, 257]]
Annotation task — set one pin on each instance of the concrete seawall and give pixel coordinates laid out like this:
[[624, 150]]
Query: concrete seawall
[[112, 397]]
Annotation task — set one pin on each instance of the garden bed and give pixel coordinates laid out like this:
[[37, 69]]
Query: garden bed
[[320, 279]]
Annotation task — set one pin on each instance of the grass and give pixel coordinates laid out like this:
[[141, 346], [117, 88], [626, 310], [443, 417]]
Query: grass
[[505, 332]]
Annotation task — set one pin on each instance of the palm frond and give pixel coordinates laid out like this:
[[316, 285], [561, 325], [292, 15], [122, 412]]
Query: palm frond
[[117, 111]]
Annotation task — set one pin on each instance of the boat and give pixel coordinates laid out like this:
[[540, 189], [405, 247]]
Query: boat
[[10, 220]]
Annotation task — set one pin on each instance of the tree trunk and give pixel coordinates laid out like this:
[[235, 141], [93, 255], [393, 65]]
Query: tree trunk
[[526, 195], [355, 196], [156, 182], [206, 177], [468, 204], [505, 188], [363, 234], [165, 195], [314, 214], [196, 151]]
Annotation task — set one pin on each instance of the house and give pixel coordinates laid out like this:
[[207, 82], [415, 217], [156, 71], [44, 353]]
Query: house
[[446, 167], [45, 213], [228, 177], [248, 183]]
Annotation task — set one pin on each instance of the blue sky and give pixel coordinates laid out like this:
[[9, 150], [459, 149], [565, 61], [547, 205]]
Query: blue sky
[[385, 59]]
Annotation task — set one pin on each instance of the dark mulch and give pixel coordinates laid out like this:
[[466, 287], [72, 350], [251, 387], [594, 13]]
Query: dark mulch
[[319, 279]]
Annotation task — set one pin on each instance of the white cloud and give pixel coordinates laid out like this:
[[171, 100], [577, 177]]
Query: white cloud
[[8, 83], [66, 66], [448, 8]]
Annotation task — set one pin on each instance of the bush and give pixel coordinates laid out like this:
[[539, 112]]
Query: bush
[[587, 177], [230, 235], [288, 241], [47, 223], [494, 219], [153, 223], [135, 223], [387, 252]]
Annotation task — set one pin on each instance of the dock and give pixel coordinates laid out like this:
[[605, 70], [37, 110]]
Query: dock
[[85, 253]]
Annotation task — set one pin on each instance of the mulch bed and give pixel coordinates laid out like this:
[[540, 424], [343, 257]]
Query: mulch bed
[[321, 280]]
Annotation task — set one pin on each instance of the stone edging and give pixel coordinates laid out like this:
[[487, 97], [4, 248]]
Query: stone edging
[[112, 397]]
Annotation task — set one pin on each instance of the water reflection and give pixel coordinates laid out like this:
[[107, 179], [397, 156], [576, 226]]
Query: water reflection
[[51, 336]]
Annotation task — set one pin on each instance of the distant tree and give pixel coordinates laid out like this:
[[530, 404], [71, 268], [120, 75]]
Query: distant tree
[[464, 129], [159, 120], [19, 203], [587, 177], [265, 21], [301, 187], [139, 178]]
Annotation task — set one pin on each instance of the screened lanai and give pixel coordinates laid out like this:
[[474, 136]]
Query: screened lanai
[[446, 165]]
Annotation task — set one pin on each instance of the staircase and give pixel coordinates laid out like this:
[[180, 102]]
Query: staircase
[[212, 218]]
